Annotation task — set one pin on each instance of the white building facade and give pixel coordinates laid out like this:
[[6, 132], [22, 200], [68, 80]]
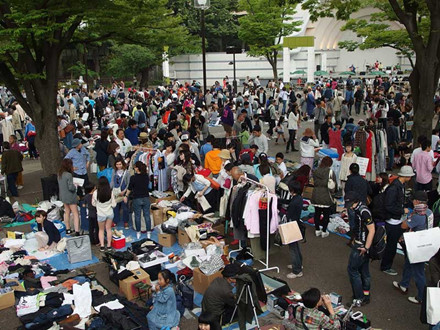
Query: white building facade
[[325, 55]]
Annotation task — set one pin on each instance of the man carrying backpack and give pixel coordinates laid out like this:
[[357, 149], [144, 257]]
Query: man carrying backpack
[[358, 264], [394, 206], [421, 219]]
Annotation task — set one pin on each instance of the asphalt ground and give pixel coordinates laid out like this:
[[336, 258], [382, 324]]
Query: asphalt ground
[[325, 265]]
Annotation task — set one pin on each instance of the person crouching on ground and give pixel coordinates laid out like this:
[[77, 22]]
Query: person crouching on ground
[[48, 235]]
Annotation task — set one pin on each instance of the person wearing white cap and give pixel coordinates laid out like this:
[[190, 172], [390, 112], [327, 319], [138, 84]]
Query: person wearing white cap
[[395, 209]]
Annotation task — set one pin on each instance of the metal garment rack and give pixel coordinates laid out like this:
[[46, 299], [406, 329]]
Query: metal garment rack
[[266, 263]]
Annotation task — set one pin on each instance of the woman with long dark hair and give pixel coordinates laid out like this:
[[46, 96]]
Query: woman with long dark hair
[[68, 195], [104, 202], [138, 191], [119, 184], [322, 197]]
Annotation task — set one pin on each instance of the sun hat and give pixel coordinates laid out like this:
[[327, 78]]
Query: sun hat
[[224, 154], [76, 142], [406, 171]]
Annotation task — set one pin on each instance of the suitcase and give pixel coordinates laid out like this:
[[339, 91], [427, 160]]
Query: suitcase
[[50, 187]]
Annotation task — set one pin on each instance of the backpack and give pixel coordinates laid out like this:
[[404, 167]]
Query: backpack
[[377, 248], [142, 117], [378, 208]]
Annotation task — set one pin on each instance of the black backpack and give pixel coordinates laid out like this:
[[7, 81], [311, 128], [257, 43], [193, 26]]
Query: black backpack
[[377, 248], [378, 207]]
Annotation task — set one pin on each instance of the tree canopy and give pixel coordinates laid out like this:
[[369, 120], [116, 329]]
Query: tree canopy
[[264, 26]]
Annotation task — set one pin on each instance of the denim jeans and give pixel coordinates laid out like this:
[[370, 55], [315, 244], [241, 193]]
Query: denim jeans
[[11, 179], [142, 205], [394, 232], [359, 273], [117, 212], [391, 157], [416, 271], [357, 107], [284, 107], [351, 219], [424, 186], [296, 256], [83, 215]]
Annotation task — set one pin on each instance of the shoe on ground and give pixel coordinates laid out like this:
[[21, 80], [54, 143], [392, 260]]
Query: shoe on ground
[[318, 233], [138, 234], [358, 302], [108, 249], [400, 288], [294, 150], [414, 300], [113, 225], [19, 187], [126, 226], [102, 249], [325, 234], [292, 275], [390, 272]]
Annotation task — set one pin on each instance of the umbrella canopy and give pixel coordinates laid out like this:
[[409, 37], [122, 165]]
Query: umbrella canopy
[[377, 73], [321, 73], [298, 72], [346, 73]]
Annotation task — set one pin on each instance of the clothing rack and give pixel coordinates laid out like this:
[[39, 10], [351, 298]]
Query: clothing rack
[[266, 263]]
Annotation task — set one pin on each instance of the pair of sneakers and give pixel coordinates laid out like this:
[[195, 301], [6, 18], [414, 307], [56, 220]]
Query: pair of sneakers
[[293, 275], [404, 290], [321, 233]]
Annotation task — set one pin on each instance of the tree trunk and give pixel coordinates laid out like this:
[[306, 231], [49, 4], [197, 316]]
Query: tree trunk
[[423, 80], [272, 59], [144, 78]]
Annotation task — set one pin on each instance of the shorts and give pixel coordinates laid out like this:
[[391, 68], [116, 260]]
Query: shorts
[[227, 128], [102, 218]]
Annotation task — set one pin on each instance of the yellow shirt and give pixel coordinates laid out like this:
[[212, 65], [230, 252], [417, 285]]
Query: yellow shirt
[[213, 162]]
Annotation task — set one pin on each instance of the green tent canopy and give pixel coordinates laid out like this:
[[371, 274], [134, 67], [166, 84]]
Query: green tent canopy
[[378, 73], [346, 73], [321, 73]]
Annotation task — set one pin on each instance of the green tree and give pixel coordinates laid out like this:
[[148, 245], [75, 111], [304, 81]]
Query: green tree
[[264, 26], [419, 36], [34, 33], [221, 24]]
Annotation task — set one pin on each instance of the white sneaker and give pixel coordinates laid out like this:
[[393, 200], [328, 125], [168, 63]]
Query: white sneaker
[[138, 234], [292, 275], [318, 233], [19, 187], [289, 266], [325, 234], [148, 234]]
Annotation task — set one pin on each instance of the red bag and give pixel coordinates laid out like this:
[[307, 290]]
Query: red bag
[[206, 172]]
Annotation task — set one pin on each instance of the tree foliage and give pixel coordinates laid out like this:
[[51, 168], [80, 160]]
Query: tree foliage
[[419, 35], [33, 34], [264, 26], [221, 25]]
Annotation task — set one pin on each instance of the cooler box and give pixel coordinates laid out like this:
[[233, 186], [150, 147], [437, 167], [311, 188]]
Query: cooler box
[[118, 242]]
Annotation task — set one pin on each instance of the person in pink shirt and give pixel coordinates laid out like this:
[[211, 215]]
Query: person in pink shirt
[[423, 165]]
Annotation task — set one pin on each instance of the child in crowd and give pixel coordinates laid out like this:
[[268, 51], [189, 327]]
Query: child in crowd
[[279, 159], [348, 158], [164, 313], [93, 218], [279, 129], [48, 235], [244, 136]]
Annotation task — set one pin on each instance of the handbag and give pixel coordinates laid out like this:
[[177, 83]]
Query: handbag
[[223, 205], [422, 245], [433, 304], [290, 232], [69, 128], [214, 184], [331, 183], [117, 191], [93, 168], [78, 249]]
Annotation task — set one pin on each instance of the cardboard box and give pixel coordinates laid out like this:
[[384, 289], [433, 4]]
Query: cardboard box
[[7, 300], [16, 234], [167, 240], [202, 281], [171, 196], [183, 237], [157, 214], [127, 288], [307, 193], [18, 287]]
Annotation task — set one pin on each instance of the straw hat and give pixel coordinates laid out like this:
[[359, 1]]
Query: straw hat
[[224, 154]]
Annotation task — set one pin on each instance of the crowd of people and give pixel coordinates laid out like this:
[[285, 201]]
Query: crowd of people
[[160, 139]]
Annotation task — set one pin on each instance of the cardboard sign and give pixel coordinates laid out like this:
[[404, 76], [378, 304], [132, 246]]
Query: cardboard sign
[[363, 164]]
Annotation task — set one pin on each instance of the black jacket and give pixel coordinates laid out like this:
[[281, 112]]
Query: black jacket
[[294, 209], [358, 184], [101, 148], [395, 200], [51, 231]]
